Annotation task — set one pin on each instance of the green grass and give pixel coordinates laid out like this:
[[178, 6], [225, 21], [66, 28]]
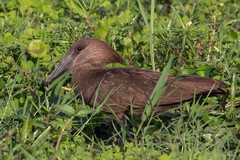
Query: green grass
[[49, 122]]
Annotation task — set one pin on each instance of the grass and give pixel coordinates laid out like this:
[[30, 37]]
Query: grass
[[39, 122]]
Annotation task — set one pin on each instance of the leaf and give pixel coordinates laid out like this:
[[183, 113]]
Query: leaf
[[2, 84], [47, 57], [27, 65], [232, 36], [24, 5], [84, 112], [102, 29], [203, 70], [9, 38], [67, 109], [186, 71], [165, 157], [26, 153], [37, 49], [41, 137], [157, 91], [59, 82], [26, 129], [125, 17]]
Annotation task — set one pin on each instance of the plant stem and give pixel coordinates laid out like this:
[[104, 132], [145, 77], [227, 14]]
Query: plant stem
[[151, 34]]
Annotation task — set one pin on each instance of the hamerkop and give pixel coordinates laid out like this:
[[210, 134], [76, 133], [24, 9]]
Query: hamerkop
[[127, 88]]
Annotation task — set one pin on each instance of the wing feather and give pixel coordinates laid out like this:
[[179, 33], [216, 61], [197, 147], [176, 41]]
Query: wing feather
[[133, 87]]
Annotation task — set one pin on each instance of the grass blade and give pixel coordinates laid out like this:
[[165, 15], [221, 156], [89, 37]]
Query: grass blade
[[41, 137], [158, 90], [151, 35], [143, 14]]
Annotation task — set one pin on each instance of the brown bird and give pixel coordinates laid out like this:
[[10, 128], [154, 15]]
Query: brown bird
[[127, 88]]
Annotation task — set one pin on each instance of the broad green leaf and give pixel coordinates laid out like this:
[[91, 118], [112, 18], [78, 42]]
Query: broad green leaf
[[203, 70], [27, 65]]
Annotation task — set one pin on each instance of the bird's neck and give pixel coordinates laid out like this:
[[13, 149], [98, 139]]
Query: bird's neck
[[86, 80], [82, 74]]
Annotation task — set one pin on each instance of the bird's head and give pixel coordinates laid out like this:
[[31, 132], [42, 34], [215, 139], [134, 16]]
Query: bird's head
[[86, 53]]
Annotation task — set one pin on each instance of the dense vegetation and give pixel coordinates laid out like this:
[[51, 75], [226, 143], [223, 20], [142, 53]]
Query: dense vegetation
[[39, 122]]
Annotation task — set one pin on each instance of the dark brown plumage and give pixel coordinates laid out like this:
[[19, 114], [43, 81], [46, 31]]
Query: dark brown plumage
[[126, 86]]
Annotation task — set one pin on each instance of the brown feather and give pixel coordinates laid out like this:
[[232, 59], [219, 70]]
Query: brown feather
[[134, 86], [128, 87]]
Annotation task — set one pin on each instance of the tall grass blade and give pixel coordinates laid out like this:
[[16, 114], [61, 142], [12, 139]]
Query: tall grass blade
[[26, 153], [157, 91], [143, 14], [233, 90], [151, 35], [149, 28]]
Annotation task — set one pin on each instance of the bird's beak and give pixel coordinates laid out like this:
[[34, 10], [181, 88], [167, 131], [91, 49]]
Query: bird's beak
[[64, 65]]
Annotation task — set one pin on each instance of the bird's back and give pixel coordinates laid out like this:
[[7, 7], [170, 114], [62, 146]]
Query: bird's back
[[129, 88]]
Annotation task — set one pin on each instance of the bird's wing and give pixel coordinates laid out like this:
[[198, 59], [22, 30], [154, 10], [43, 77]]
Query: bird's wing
[[125, 87], [134, 86], [184, 88]]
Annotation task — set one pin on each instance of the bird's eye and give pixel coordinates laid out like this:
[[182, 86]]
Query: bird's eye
[[79, 49]]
